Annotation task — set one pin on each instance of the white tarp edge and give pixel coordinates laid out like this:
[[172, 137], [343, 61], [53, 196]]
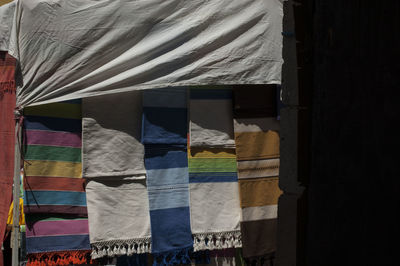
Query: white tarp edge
[[81, 48], [6, 20]]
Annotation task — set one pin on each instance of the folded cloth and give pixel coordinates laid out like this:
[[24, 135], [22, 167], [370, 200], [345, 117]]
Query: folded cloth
[[55, 199], [214, 199], [211, 118], [257, 149], [111, 136], [165, 137], [255, 101], [119, 220]]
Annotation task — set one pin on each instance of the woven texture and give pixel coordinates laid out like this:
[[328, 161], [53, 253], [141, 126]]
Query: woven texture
[[55, 200]]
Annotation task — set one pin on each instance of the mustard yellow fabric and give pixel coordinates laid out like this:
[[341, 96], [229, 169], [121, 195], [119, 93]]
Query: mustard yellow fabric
[[53, 169], [257, 145], [21, 213], [259, 192]]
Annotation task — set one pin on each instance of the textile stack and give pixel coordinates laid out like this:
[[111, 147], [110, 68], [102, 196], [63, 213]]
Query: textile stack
[[257, 149], [55, 200]]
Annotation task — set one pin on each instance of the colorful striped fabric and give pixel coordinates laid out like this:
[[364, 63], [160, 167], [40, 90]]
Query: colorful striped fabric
[[257, 149], [164, 136], [214, 196], [55, 199]]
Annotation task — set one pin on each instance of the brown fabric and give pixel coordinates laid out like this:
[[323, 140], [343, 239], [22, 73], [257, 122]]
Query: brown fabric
[[54, 209], [255, 101], [258, 237], [7, 139], [257, 145], [259, 192]]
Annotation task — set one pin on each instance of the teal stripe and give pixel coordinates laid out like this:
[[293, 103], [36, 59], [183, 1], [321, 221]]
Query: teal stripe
[[34, 197], [53, 153]]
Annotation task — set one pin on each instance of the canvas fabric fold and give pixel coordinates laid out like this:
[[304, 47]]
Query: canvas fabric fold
[[164, 135], [6, 23], [257, 148], [146, 45], [54, 197], [113, 164], [111, 136], [211, 118]]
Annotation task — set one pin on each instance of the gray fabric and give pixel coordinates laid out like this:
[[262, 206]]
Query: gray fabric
[[78, 48], [111, 136], [6, 20], [119, 217], [211, 123]]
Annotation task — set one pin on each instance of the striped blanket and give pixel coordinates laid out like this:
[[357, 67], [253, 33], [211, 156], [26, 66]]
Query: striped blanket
[[55, 200], [214, 196], [257, 149], [164, 136]]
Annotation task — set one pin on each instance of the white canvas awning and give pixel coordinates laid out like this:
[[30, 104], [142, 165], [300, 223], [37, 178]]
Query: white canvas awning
[[6, 20], [80, 48]]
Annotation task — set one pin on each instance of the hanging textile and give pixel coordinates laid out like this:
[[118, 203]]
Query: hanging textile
[[7, 136], [55, 201], [165, 139], [6, 22], [257, 149], [113, 164], [214, 196], [211, 118], [146, 44]]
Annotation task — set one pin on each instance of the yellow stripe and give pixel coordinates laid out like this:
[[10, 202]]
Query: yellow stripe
[[53, 169], [211, 153], [58, 110], [3, 2], [259, 192]]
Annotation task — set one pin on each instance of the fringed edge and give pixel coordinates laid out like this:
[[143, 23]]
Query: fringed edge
[[74, 257], [120, 247], [220, 240], [173, 257]]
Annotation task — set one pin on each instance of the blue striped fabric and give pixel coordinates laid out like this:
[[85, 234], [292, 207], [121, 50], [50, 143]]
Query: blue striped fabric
[[165, 137], [52, 124], [56, 243], [72, 198]]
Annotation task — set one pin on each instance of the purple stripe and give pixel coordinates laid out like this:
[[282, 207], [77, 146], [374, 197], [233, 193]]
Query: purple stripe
[[53, 228], [53, 138]]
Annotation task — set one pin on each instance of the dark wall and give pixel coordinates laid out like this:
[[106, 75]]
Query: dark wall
[[353, 190]]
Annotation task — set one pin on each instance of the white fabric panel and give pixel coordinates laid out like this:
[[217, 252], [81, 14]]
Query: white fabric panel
[[256, 124], [6, 20], [79, 48]]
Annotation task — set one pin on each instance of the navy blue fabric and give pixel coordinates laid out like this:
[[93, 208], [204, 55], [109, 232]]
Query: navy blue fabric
[[162, 159], [212, 177], [52, 124], [163, 125], [135, 260], [57, 243], [172, 229]]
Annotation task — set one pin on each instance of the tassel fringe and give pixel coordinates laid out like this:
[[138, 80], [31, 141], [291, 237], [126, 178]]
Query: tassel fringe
[[120, 247], [175, 257], [75, 257], [221, 240]]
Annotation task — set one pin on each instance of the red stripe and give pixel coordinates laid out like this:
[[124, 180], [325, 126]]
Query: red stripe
[[54, 183]]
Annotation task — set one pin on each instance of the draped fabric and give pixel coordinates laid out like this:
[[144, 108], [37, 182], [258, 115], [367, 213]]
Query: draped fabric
[[164, 135], [113, 164], [214, 200], [7, 136], [55, 199], [77, 48], [257, 149]]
